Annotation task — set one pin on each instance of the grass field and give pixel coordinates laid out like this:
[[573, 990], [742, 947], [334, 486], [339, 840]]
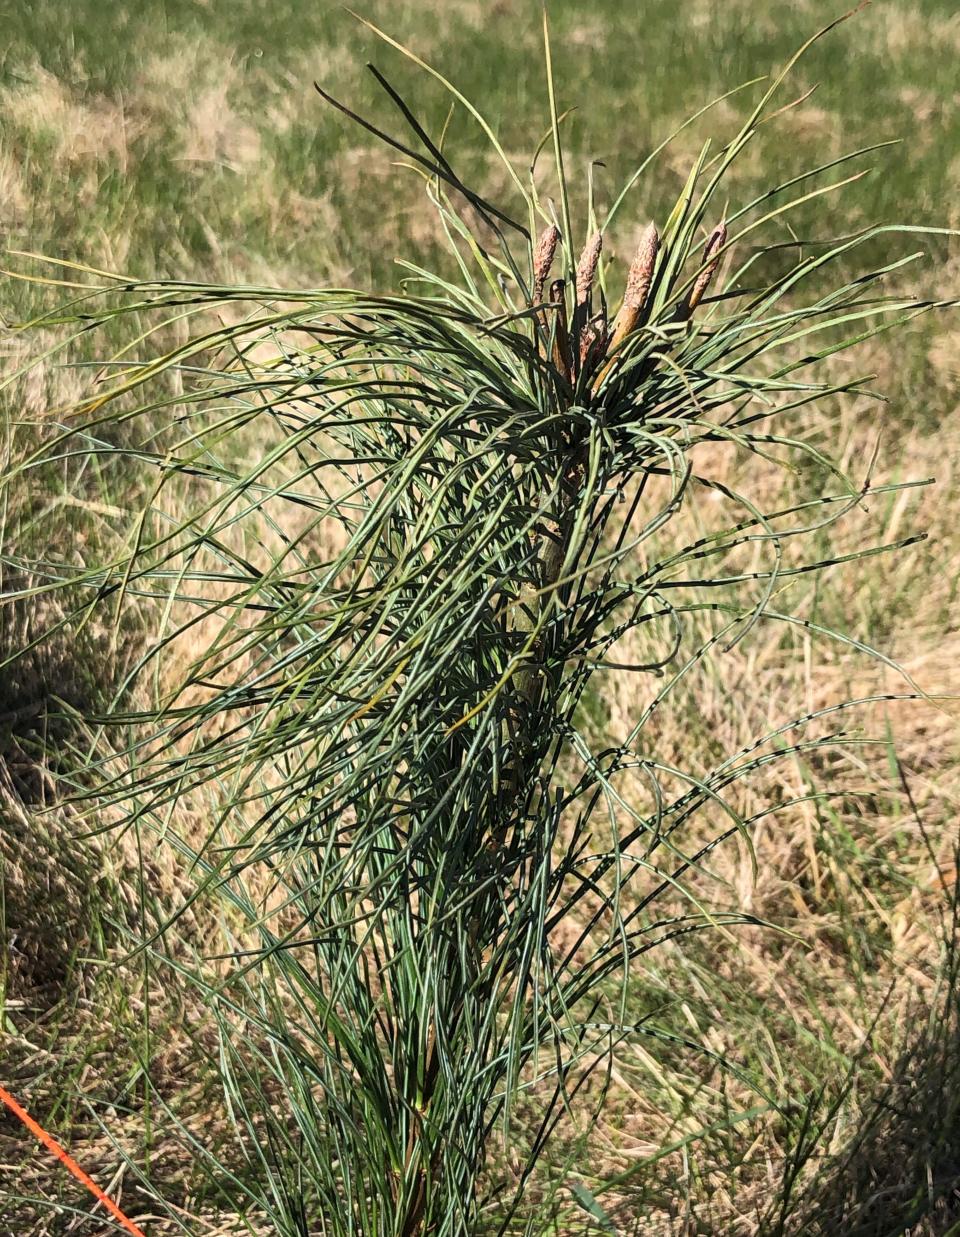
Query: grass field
[[185, 139]]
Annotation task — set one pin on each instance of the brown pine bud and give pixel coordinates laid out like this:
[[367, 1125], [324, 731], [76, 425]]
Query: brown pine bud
[[587, 267], [711, 259], [639, 279], [543, 259], [561, 337], [593, 340]]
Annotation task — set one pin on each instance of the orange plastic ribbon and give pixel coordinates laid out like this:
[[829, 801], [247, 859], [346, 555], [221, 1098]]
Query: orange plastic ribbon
[[69, 1163]]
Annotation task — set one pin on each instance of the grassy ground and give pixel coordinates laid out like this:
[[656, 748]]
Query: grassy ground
[[185, 138]]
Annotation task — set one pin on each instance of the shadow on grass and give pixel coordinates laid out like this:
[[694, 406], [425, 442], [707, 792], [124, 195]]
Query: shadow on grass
[[900, 1174], [52, 888], [57, 666]]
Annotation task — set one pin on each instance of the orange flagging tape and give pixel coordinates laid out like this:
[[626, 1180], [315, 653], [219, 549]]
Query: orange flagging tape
[[69, 1163]]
